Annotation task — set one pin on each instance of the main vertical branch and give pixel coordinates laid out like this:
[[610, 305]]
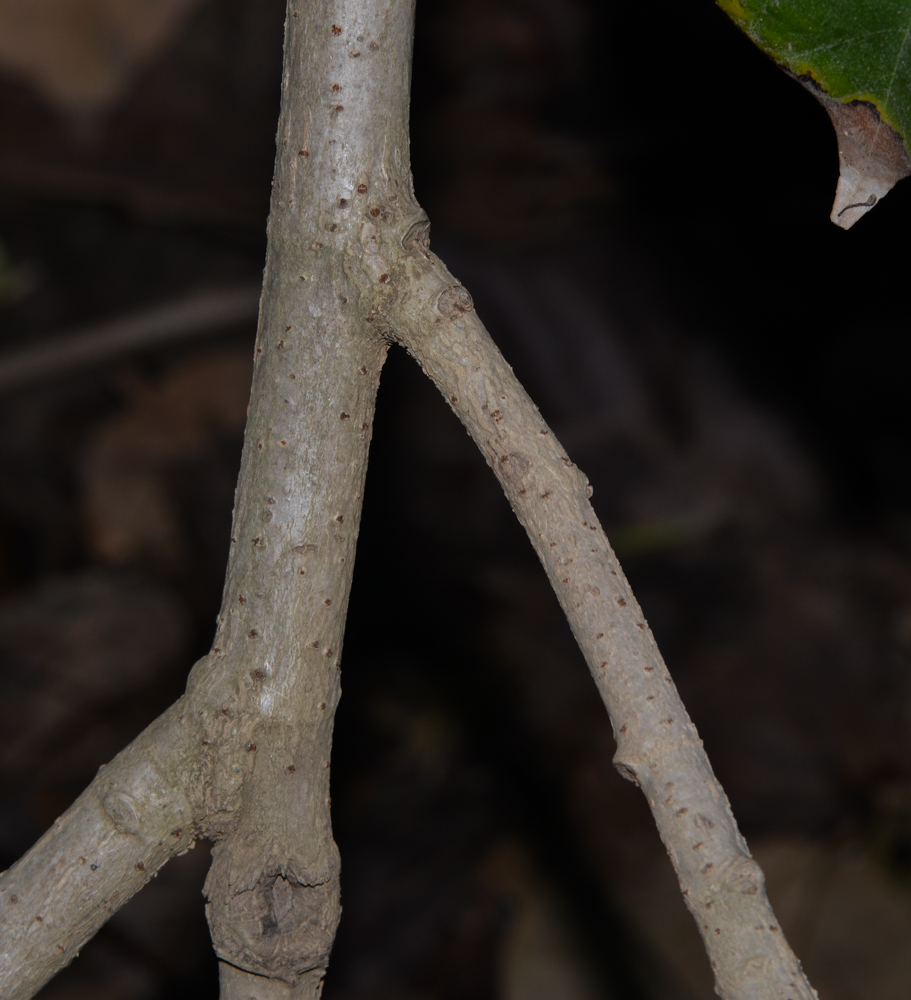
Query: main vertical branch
[[243, 757], [342, 153]]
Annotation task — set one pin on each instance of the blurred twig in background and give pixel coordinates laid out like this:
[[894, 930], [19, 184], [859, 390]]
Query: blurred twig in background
[[57, 354]]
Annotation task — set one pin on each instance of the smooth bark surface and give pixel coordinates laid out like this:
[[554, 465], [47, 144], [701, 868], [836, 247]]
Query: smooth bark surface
[[243, 758]]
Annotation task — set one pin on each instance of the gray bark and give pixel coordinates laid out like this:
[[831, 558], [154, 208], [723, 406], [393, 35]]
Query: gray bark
[[658, 747], [236, 984], [243, 758]]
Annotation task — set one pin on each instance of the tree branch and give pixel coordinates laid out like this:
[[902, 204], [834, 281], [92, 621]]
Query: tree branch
[[432, 315], [253, 751], [125, 826], [243, 758], [236, 984]]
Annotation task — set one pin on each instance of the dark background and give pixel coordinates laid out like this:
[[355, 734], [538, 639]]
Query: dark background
[[638, 200]]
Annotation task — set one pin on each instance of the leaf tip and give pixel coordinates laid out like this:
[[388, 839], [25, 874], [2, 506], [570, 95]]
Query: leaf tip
[[866, 176], [872, 157]]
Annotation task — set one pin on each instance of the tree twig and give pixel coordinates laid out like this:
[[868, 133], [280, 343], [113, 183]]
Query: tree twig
[[199, 314], [659, 749], [125, 826]]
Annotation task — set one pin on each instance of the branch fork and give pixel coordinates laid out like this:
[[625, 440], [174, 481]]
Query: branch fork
[[243, 757]]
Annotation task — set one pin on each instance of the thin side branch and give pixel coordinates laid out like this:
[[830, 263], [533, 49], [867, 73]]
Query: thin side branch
[[125, 826], [62, 353], [658, 747]]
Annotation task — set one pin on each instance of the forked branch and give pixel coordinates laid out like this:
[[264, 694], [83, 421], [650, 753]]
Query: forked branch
[[243, 757]]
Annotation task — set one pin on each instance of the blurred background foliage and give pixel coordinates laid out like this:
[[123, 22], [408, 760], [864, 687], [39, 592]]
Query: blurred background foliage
[[638, 201]]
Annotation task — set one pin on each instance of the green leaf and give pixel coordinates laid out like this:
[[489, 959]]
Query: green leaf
[[855, 56]]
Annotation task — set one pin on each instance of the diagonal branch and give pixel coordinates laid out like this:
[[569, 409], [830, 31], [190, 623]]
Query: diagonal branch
[[432, 316], [125, 826]]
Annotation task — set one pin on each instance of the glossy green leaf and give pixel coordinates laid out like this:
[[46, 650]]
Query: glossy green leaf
[[855, 55]]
